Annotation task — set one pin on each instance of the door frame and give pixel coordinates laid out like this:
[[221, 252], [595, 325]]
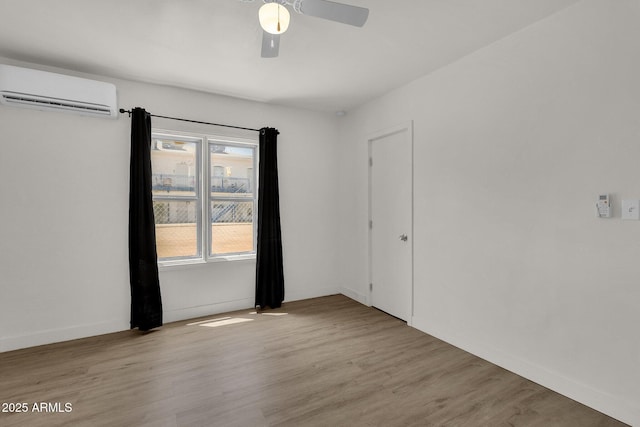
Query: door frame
[[402, 127]]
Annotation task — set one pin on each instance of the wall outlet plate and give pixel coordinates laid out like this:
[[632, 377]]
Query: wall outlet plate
[[630, 209]]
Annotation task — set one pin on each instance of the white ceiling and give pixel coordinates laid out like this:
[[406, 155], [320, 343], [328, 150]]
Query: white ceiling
[[214, 45]]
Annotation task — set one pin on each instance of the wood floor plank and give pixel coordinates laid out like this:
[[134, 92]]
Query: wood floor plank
[[327, 362]]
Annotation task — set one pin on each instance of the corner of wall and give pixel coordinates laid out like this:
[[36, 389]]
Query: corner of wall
[[355, 295]]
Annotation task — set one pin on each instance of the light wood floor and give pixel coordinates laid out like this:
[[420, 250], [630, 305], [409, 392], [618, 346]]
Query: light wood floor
[[329, 362]]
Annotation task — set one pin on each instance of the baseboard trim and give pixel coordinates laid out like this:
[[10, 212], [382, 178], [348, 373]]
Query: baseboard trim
[[600, 401], [51, 336], [189, 313], [239, 304]]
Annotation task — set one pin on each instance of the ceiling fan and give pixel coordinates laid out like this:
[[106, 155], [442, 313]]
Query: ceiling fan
[[274, 18]]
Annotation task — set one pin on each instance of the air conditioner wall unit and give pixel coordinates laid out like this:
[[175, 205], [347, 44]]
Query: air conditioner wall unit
[[24, 87]]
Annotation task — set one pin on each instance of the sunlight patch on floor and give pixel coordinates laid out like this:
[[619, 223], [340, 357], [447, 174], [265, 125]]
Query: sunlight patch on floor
[[224, 322], [208, 321]]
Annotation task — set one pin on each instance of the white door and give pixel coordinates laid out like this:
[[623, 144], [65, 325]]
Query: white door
[[391, 221]]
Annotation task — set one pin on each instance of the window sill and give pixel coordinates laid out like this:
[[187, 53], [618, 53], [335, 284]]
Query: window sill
[[188, 263]]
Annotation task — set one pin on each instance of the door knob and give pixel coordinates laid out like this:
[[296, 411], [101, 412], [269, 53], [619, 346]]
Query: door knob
[[404, 237]]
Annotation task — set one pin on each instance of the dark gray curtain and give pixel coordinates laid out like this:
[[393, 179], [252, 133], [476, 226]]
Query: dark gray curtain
[[146, 303], [269, 267]]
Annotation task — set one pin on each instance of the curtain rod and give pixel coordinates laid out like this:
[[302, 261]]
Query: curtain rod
[[122, 111]]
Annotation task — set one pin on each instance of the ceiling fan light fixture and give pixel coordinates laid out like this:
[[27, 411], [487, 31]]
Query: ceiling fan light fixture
[[274, 18]]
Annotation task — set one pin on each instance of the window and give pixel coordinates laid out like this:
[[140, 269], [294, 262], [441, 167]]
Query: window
[[203, 179]]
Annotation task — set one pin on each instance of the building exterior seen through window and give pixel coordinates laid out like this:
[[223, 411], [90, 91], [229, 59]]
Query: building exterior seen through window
[[202, 179]]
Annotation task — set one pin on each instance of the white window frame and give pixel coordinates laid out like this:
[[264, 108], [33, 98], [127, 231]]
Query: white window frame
[[203, 195]]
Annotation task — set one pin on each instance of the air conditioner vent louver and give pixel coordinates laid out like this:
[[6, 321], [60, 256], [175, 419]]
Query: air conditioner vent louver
[[54, 104], [22, 87]]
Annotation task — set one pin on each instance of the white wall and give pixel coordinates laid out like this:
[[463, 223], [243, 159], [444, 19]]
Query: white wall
[[513, 144], [64, 214]]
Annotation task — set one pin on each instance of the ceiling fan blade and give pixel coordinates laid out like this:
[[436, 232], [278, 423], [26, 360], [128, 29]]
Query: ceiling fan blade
[[270, 45], [338, 12]]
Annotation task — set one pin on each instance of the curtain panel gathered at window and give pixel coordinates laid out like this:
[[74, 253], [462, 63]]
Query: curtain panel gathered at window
[[269, 264], [146, 302]]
